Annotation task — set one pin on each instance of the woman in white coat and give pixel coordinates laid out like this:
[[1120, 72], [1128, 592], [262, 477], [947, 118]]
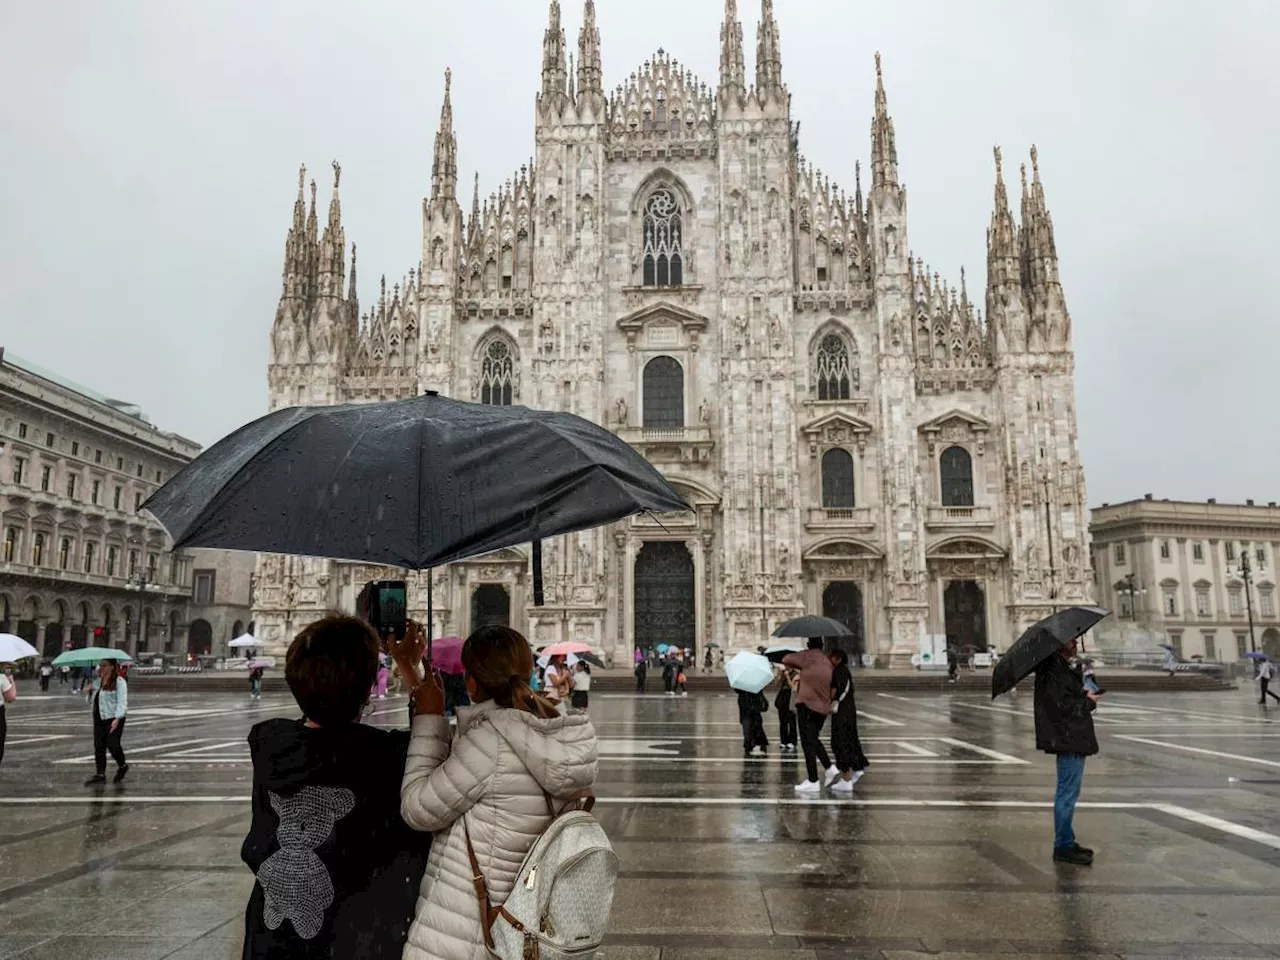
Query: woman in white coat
[[511, 752]]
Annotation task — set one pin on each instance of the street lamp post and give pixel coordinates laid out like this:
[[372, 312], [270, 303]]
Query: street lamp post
[[1129, 585], [1244, 570]]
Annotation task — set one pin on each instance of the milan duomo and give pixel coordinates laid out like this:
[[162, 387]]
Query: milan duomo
[[854, 435]]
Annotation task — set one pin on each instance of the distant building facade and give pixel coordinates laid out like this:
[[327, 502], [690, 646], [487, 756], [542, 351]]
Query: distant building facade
[[1188, 574], [79, 564], [853, 436]]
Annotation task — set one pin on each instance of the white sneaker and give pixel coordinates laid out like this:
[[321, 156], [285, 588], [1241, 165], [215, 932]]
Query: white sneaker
[[756, 751], [832, 772], [858, 775], [685, 693], [809, 786], [843, 786]]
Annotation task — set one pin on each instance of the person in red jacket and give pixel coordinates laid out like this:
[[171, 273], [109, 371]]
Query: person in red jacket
[[813, 704]]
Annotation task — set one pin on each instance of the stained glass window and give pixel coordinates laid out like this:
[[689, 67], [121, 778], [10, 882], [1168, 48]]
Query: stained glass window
[[835, 375], [663, 241], [497, 374]]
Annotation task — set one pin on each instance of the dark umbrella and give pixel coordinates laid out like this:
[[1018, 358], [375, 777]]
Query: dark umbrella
[[591, 658], [1041, 641], [813, 627]]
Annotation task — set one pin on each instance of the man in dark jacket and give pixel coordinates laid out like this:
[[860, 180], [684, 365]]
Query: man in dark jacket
[[1064, 727]]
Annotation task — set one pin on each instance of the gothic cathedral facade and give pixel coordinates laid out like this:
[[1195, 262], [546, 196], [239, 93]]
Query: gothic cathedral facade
[[853, 435]]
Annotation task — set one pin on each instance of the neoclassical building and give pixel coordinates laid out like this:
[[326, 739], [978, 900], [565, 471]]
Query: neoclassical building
[[853, 434]]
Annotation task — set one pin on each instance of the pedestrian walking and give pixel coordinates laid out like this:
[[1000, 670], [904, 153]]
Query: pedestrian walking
[[642, 675], [110, 699], [64, 676], [255, 682], [845, 743], [46, 674], [786, 715], [1064, 728], [1264, 679], [488, 792], [8, 694], [384, 676], [813, 703], [581, 687], [681, 681], [751, 710], [337, 867], [953, 664], [668, 677]]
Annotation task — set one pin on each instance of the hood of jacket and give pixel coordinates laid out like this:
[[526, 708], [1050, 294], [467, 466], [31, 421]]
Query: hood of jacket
[[561, 753], [288, 754]]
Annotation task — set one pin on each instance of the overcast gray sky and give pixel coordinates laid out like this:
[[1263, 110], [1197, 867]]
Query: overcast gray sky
[[149, 153]]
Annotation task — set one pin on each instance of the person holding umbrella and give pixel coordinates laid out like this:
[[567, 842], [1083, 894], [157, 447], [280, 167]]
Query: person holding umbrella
[[8, 694], [110, 709], [813, 703], [845, 743]]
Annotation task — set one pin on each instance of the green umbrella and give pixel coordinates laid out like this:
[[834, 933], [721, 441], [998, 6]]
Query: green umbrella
[[90, 655]]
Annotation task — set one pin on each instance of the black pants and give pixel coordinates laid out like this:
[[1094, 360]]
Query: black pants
[[4, 730], [787, 726], [753, 734], [1262, 698], [104, 740], [816, 759], [640, 678], [44, 683]]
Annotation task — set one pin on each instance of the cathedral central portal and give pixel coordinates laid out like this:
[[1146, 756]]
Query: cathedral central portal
[[664, 596]]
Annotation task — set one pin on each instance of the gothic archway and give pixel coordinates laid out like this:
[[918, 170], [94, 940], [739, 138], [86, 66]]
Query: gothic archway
[[664, 595], [842, 600], [199, 638], [490, 606], [965, 610]]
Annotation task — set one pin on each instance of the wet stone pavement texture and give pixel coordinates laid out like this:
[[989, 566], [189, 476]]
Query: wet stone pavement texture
[[943, 851]]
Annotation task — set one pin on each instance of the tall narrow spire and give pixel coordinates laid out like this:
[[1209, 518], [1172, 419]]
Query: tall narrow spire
[[857, 188], [333, 247], [351, 289], [554, 71], [444, 168], [312, 245], [733, 66], [473, 225], [884, 146], [1037, 224], [295, 247], [590, 66], [768, 53], [1002, 237]]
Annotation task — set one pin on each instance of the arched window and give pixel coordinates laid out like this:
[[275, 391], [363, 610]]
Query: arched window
[[663, 394], [64, 553], [37, 550], [88, 556], [663, 240], [834, 373], [837, 480], [957, 477], [10, 544], [497, 374]]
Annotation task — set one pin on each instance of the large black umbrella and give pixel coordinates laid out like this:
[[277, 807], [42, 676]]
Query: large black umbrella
[[1041, 641], [410, 483], [813, 626]]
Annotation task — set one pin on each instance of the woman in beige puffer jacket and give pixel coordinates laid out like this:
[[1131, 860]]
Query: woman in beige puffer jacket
[[511, 750]]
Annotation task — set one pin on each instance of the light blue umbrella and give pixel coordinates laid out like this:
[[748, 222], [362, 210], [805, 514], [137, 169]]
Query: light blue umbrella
[[749, 671], [90, 655]]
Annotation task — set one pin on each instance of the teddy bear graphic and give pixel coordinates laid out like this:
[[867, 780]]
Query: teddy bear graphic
[[295, 883]]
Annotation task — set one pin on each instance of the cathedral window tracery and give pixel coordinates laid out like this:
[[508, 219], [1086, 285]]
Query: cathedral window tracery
[[835, 372], [497, 374], [663, 240]]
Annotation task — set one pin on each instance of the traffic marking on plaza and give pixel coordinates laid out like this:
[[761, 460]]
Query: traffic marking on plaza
[[19, 741], [1186, 748], [147, 749]]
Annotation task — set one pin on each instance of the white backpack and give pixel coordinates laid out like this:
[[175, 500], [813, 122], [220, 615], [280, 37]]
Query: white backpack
[[559, 907]]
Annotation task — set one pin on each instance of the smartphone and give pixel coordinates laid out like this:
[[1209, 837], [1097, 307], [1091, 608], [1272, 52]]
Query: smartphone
[[385, 605]]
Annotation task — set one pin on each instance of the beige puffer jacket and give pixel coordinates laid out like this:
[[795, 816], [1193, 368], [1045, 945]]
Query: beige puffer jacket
[[500, 763]]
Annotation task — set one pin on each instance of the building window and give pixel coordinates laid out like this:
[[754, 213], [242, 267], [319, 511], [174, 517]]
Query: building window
[[88, 557], [97, 456], [152, 559], [202, 587], [1261, 555], [663, 236], [137, 502], [663, 394], [75, 448], [1202, 601], [1229, 548], [37, 550], [1170, 602], [1235, 601], [837, 480], [139, 471], [133, 564], [19, 469], [1267, 603], [1175, 641], [71, 486], [48, 439], [1242, 646], [956, 467], [46, 478], [1166, 552], [1197, 551], [64, 553], [497, 374], [119, 463], [113, 554], [22, 431], [159, 477], [96, 491], [10, 544], [1210, 647], [835, 376], [1119, 553], [119, 493]]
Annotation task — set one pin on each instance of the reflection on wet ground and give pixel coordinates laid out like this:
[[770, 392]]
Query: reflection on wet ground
[[944, 851]]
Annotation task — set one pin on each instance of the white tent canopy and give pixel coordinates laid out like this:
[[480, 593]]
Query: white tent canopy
[[245, 641]]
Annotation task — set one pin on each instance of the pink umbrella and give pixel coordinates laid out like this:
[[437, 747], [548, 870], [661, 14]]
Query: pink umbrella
[[566, 648], [446, 654]]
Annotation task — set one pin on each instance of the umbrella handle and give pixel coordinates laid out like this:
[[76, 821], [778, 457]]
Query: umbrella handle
[[430, 617]]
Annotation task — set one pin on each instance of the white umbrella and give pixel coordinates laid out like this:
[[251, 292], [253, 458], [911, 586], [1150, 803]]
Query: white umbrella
[[14, 648], [246, 641]]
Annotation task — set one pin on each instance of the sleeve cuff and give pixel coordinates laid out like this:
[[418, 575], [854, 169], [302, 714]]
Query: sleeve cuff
[[430, 725]]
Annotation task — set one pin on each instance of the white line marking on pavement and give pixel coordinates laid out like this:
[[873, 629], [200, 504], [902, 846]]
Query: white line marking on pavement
[[155, 746], [19, 741], [1258, 761], [879, 719], [983, 751], [206, 748], [913, 748], [1217, 823], [1199, 714]]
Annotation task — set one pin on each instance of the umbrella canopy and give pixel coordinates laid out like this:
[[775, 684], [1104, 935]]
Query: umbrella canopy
[[775, 653], [566, 648], [1041, 641], [84, 656], [1252, 654], [245, 641], [446, 655], [14, 648], [592, 659], [257, 663], [749, 671], [409, 483], [813, 626]]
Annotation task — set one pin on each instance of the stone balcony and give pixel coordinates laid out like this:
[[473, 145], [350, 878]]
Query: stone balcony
[[671, 444], [960, 518], [845, 519]]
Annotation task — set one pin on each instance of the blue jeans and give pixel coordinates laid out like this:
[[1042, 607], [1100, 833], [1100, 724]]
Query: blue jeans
[[1070, 779]]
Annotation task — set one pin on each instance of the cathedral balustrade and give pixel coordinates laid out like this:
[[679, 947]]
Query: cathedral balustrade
[[959, 518], [847, 519], [500, 303], [829, 295], [671, 444]]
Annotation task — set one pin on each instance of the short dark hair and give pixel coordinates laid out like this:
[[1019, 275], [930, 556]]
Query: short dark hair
[[816, 643], [840, 656], [330, 667]]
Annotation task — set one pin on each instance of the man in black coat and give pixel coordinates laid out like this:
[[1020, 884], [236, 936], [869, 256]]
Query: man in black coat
[[1064, 727]]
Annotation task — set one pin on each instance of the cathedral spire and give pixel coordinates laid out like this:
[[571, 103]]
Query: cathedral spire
[[295, 248], [444, 168], [311, 251], [473, 225], [351, 289], [590, 68], [554, 72], [733, 67], [768, 53], [857, 188], [1037, 224], [333, 247], [884, 146]]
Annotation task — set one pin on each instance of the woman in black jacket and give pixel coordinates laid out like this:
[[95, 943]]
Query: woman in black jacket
[[1064, 728], [846, 746]]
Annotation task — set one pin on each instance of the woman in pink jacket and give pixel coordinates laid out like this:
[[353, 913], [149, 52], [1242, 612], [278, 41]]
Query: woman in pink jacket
[[813, 704]]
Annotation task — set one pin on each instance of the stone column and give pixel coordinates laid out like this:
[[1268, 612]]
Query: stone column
[[628, 598], [42, 624], [694, 547]]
